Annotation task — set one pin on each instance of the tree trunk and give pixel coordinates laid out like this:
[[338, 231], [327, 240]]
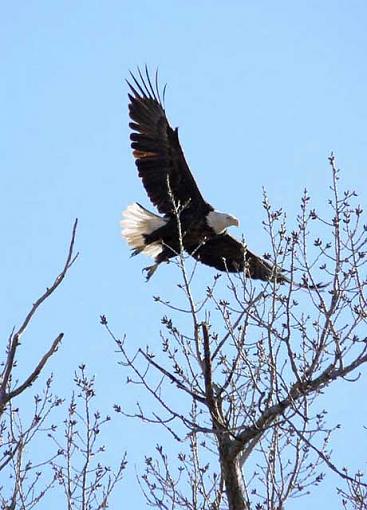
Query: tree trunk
[[232, 475]]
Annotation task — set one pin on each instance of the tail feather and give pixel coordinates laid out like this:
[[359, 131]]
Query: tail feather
[[138, 222]]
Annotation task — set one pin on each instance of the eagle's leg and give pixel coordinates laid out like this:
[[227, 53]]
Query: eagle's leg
[[150, 270]]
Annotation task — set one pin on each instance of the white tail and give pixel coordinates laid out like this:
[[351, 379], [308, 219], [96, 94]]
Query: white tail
[[138, 222]]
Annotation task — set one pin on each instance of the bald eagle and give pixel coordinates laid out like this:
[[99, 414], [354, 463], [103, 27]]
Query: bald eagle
[[187, 220]]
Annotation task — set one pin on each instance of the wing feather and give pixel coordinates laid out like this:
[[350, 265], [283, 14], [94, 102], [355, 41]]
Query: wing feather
[[225, 253], [158, 155]]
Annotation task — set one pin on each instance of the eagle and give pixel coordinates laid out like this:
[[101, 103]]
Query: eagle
[[186, 221]]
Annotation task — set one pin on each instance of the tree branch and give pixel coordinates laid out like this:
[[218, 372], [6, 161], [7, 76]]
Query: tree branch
[[14, 340]]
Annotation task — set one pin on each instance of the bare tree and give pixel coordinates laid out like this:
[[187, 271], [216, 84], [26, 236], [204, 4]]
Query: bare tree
[[79, 468], [354, 496], [74, 460], [250, 362], [16, 432]]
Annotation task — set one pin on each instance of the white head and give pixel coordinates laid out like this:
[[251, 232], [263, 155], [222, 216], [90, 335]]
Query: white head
[[219, 221]]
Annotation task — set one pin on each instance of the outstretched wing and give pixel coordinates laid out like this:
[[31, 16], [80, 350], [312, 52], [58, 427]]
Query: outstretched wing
[[157, 151], [225, 253]]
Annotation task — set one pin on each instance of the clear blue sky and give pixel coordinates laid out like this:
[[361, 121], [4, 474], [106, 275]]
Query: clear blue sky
[[262, 92]]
